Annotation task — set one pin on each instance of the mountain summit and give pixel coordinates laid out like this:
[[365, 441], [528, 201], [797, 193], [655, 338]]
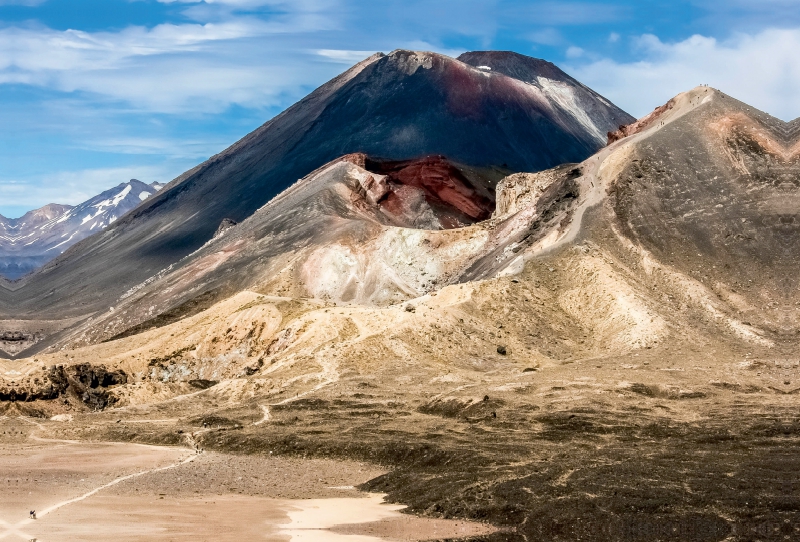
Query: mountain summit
[[575, 107], [402, 106]]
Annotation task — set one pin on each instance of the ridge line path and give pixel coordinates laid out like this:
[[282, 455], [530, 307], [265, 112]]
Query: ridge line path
[[266, 417]]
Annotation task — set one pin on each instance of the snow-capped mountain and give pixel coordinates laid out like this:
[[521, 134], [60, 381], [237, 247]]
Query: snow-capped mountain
[[32, 240]]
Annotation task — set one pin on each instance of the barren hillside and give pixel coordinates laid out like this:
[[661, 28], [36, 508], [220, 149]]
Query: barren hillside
[[610, 354]]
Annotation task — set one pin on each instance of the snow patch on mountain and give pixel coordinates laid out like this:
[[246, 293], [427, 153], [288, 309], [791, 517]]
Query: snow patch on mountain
[[32, 240], [564, 95]]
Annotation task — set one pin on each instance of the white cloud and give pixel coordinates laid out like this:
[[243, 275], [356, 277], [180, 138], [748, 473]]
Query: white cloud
[[45, 50], [761, 69], [575, 52], [175, 149], [344, 56], [219, 9]]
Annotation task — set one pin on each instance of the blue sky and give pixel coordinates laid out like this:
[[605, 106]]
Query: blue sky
[[95, 92]]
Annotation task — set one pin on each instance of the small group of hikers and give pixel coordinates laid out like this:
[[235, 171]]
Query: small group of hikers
[[33, 514]]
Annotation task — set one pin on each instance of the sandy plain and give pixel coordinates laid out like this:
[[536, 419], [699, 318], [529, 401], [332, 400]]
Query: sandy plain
[[127, 492]]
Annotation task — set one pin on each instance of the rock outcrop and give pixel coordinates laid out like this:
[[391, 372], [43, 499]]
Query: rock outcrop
[[522, 190]]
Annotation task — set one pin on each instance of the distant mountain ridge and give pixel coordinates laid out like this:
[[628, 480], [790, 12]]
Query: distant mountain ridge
[[28, 242]]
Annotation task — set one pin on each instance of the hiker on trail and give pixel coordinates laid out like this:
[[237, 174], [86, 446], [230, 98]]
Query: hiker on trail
[[33, 514]]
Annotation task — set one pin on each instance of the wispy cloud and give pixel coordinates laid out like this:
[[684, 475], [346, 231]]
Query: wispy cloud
[[30, 3], [197, 149], [567, 13], [344, 56], [167, 68], [319, 11]]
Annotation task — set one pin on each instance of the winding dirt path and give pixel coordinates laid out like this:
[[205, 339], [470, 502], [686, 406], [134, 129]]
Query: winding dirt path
[[266, 417], [114, 482]]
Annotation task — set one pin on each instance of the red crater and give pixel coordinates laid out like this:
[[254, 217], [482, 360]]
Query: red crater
[[455, 199]]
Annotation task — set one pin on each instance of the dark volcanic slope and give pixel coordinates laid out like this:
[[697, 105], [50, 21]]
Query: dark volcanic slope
[[404, 105]]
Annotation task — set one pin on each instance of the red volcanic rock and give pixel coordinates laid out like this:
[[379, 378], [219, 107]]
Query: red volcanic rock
[[357, 158], [454, 199], [635, 127]]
